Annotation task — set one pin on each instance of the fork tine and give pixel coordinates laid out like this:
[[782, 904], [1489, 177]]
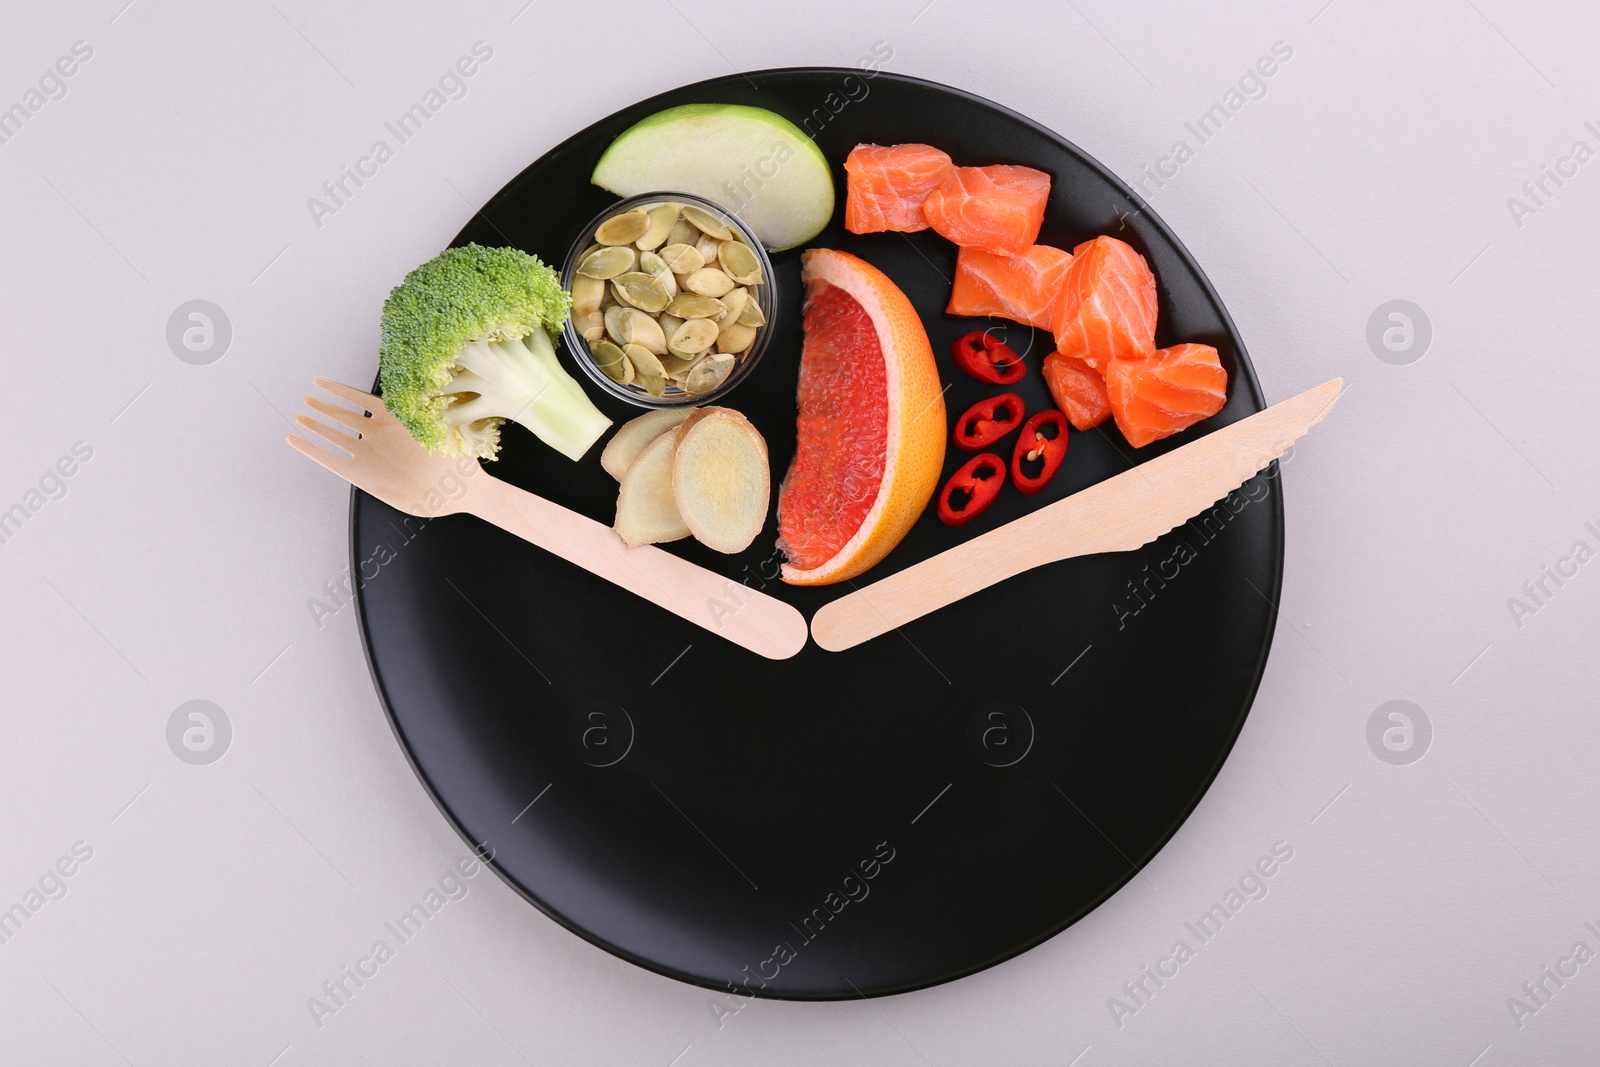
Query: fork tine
[[337, 464], [353, 419], [328, 433], [365, 401]]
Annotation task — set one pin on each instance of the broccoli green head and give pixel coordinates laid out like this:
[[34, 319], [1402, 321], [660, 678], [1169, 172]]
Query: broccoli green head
[[467, 344]]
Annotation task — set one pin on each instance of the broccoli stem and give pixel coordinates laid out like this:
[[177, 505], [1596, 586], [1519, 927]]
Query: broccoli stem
[[521, 379]]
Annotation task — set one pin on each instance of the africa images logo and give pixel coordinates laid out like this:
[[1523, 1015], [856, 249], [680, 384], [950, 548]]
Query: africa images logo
[[340, 189], [1553, 577], [1139, 991], [1195, 535]]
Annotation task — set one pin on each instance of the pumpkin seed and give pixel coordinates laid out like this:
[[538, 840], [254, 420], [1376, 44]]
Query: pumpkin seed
[[682, 258], [587, 293], [683, 232], [628, 325], [612, 363], [640, 290], [707, 246], [662, 216], [734, 300], [607, 262], [653, 384], [587, 322], [669, 323], [678, 366], [695, 306], [623, 229], [644, 361], [656, 267], [707, 223], [693, 337], [618, 326], [740, 263], [708, 374], [646, 331], [735, 338], [708, 281]]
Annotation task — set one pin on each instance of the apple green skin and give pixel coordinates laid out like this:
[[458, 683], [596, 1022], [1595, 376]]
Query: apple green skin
[[785, 209]]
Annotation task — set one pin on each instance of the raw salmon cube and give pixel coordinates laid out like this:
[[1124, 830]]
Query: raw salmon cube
[[1166, 391], [886, 185], [1078, 389], [1022, 288], [997, 208], [1107, 308]]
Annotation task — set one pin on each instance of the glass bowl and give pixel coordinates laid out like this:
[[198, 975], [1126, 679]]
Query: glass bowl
[[673, 396]]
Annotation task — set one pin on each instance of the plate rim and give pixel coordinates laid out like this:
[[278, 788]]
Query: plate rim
[[1273, 596]]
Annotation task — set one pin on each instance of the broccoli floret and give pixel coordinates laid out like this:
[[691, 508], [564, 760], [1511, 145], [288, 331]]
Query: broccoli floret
[[467, 344]]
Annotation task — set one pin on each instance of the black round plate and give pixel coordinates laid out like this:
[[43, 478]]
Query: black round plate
[[837, 824]]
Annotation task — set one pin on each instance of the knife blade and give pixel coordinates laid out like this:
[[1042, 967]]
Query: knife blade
[[1119, 514]]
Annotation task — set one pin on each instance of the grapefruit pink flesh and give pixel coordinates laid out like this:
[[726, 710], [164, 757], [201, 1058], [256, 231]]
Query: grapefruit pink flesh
[[844, 413]]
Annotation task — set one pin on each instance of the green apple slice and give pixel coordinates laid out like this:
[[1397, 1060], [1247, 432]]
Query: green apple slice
[[754, 163]]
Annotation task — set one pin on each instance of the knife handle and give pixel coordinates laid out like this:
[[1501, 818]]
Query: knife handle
[[930, 585]]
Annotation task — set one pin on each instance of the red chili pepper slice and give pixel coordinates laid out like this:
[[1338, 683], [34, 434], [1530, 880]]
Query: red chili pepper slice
[[1040, 449], [983, 356], [987, 421], [971, 490]]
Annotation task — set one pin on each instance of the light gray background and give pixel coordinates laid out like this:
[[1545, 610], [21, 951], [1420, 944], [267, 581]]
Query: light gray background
[[179, 564]]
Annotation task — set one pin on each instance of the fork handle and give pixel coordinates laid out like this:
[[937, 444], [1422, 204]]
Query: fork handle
[[763, 624]]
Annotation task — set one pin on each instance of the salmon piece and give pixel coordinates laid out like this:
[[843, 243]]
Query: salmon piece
[[1078, 389], [1167, 391], [1022, 288], [1107, 308], [998, 209], [886, 185]]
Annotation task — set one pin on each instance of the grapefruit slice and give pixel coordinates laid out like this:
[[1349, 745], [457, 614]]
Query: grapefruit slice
[[871, 425]]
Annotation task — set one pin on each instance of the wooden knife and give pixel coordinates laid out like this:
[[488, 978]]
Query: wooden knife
[[1117, 515]]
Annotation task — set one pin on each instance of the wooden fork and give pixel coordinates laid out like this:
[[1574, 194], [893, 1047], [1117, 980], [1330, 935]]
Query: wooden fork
[[382, 457]]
